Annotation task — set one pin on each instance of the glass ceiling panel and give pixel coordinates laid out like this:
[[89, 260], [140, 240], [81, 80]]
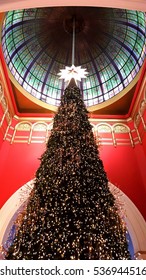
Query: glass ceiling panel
[[110, 43]]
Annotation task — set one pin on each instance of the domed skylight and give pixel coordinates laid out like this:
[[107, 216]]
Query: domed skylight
[[110, 44]]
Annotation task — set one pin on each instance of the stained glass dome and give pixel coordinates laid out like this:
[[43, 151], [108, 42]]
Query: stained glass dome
[[109, 43]]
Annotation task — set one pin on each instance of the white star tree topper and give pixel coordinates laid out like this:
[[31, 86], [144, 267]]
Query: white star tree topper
[[75, 72]]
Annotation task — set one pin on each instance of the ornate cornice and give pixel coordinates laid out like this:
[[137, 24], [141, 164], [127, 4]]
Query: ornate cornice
[[108, 130]]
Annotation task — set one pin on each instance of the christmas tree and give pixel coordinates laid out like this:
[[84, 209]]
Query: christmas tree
[[71, 213]]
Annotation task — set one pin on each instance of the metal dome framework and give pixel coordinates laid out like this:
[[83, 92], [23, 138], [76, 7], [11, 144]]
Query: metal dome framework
[[110, 43]]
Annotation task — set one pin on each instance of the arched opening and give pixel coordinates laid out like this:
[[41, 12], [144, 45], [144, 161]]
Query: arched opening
[[135, 222]]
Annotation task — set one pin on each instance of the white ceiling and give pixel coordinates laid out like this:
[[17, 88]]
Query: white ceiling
[[7, 5]]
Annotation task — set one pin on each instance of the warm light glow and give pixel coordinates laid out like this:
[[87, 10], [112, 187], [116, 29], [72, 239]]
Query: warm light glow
[[77, 73]]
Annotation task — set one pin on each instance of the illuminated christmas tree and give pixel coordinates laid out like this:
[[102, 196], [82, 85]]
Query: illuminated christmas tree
[[71, 213]]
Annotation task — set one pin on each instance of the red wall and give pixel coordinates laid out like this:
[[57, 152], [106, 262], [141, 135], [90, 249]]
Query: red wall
[[125, 167], [144, 144], [18, 163]]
